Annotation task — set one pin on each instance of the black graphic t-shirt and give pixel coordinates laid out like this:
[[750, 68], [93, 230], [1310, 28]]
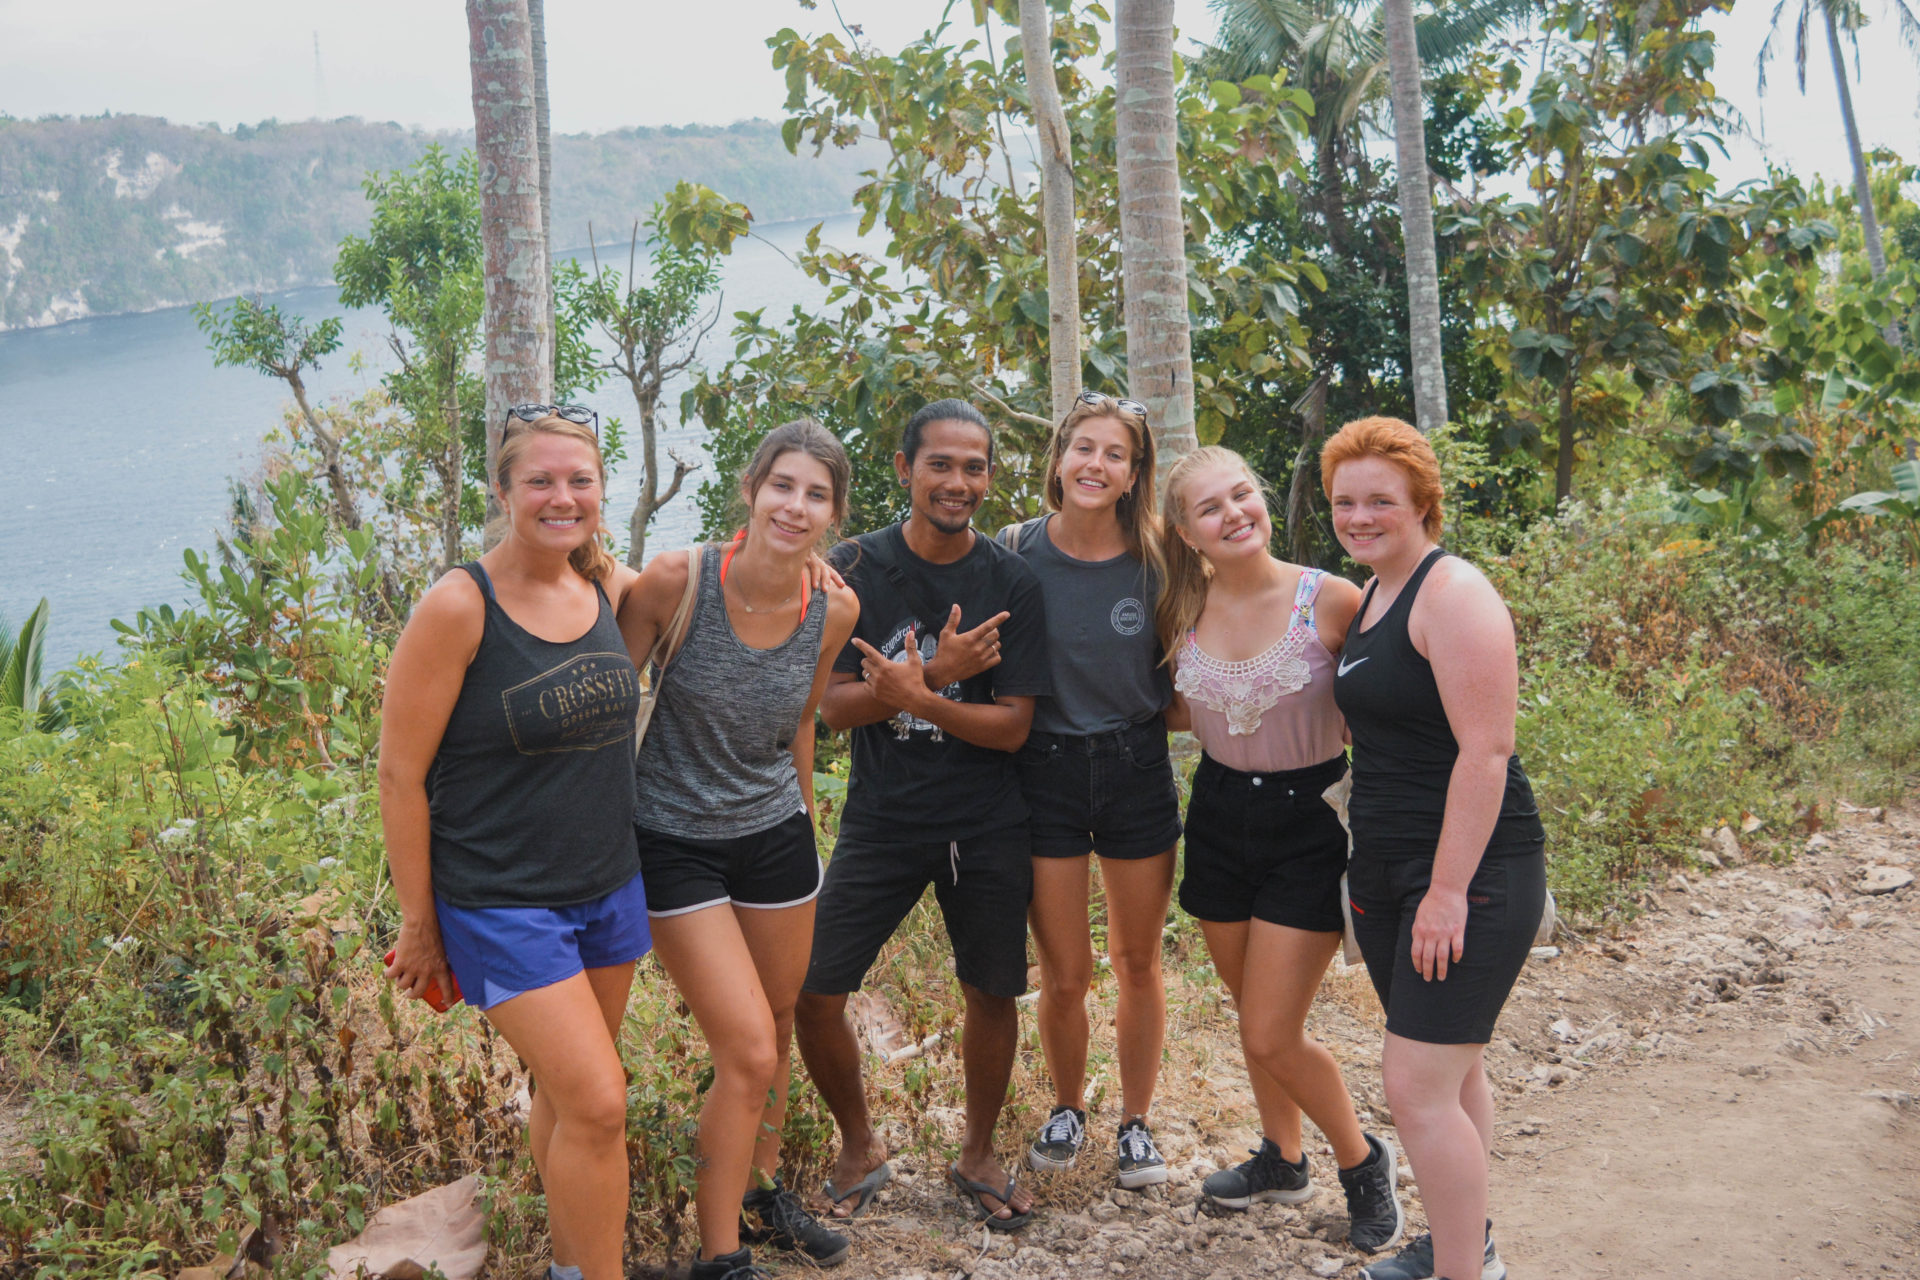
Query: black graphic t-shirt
[[912, 781], [531, 791]]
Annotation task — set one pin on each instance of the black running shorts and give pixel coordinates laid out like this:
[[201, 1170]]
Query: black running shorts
[[1504, 901], [983, 886], [777, 867], [1265, 846]]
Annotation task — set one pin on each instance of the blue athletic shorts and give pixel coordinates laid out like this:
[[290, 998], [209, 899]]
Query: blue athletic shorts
[[498, 953]]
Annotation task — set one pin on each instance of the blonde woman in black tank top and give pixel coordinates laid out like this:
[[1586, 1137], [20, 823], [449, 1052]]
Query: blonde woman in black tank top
[[731, 870], [1447, 878], [505, 732]]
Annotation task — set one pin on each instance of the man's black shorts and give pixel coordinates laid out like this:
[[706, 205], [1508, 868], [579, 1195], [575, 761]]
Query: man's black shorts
[[1504, 901], [983, 886], [1105, 793]]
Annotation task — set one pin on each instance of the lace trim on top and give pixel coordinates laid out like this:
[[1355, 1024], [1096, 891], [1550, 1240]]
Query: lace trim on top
[[1243, 691]]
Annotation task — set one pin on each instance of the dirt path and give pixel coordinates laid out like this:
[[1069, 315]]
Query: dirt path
[[1731, 1089]]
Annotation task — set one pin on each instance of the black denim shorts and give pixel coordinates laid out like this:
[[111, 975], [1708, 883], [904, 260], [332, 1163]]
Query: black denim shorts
[[983, 886], [1265, 846], [1504, 901], [1106, 793]]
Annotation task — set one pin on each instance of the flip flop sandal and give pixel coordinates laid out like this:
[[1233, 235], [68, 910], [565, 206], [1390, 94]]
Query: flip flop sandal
[[861, 1192], [971, 1190]]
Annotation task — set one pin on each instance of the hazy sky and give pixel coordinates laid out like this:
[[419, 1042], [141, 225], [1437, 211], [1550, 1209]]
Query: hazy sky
[[617, 63]]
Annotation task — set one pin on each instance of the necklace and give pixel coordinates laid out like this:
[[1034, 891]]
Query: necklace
[[741, 598]]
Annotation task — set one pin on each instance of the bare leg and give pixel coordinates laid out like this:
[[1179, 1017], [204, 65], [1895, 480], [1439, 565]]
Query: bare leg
[[1138, 890], [1280, 978], [562, 1033], [1065, 947], [708, 959], [1279, 1113], [832, 1053], [781, 942], [989, 1037], [1426, 1085]]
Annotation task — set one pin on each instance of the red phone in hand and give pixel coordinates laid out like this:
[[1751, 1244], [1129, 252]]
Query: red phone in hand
[[437, 999]]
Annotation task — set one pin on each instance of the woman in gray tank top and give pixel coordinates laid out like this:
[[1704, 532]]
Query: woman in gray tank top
[[1096, 774], [505, 748], [723, 818]]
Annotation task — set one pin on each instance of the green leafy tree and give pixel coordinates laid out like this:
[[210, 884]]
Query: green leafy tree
[[258, 336], [421, 264], [1626, 273], [654, 326], [960, 305]]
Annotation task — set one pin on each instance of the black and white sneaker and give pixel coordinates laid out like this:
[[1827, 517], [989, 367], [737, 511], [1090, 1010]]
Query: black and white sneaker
[[737, 1265], [1268, 1177], [786, 1224], [1140, 1162], [1060, 1140], [1415, 1262], [1374, 1216]]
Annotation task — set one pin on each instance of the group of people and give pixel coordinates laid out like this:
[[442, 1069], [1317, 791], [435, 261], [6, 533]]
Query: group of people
[[1009, 699]]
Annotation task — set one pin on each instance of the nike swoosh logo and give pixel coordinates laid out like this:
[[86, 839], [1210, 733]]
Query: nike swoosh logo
[[1346, 666]]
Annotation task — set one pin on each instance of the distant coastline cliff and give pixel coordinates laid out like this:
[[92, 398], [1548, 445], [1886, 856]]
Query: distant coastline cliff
[[128, 213]]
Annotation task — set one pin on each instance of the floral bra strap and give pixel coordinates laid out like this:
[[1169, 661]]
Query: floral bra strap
[[1303, 597]]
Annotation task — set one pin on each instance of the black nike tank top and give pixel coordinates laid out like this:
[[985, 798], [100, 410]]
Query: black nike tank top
[[1403, 747], [531, 792]]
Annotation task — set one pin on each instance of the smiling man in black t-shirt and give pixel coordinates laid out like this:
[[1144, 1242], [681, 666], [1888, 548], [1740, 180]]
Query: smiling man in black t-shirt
[[938, 685]]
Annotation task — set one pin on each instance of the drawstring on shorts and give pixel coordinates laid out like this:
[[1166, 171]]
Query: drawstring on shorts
[[953, 859]]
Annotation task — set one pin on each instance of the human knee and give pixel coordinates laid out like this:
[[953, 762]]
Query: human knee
[[1281, 1049], [1137, 969], [597, 1107], [748, 1067], [1067, 979]]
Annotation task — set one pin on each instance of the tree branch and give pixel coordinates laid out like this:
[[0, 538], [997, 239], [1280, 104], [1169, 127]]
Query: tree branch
[[1007, 409]]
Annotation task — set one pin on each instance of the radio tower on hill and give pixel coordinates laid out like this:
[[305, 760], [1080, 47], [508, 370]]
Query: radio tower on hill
[[319, 83]]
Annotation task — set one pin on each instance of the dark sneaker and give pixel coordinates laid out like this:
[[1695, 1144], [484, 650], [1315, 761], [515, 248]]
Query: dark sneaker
[[1058, 1145], [1140, 1162], [1415, 1262], [737, 1265], [786, 1224], [1266, 1177], [1374, 1216]]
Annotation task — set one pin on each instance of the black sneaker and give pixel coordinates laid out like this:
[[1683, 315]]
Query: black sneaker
[[737, 1265], [1058, 1145], [786, 1224], [1415, 1262], [1140, 1162], [1266, 1177], [1374, 1216]]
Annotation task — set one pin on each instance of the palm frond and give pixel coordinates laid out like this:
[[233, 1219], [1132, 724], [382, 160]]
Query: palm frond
[[21, 656], [1452, 32]]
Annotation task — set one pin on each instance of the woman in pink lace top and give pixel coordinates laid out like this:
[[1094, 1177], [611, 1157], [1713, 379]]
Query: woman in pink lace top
[[1255, 643]]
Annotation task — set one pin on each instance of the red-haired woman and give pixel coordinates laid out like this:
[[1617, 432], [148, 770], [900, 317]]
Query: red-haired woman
[[1448, 877]]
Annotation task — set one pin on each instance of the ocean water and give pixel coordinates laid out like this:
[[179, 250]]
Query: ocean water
[[120, 435]]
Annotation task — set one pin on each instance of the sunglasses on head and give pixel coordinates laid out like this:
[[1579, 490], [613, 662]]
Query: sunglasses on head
[[574, 413], [1127, 406]]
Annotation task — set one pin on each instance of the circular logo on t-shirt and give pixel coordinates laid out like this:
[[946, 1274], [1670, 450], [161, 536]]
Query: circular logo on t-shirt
[[1129, 616]]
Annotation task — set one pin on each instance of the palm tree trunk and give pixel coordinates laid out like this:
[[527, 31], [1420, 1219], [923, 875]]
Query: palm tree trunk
[[1416, 219], [537, 21], [515, 347], [1862, 191], [1153, 242], [1056, 199]]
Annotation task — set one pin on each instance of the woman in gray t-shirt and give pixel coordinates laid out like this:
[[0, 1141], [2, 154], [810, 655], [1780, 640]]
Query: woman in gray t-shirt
[[1095, 770]]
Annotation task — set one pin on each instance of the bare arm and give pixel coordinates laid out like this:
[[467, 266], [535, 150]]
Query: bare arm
[[843, 609], [1179, 715], [1000, 725], [1461, 626], [428, 667], [647, 602]]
